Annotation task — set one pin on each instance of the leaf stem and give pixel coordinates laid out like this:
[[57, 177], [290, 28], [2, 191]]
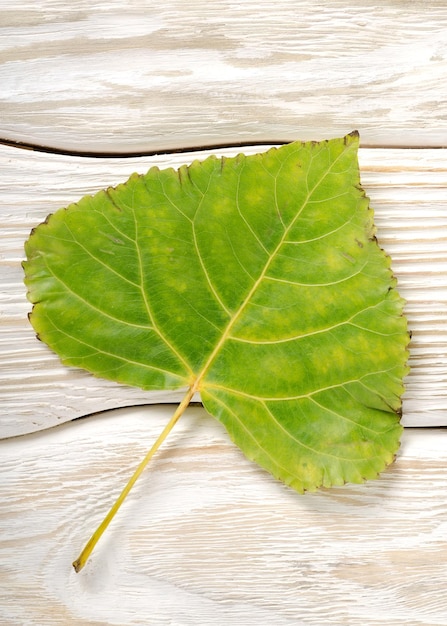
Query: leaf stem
[[79, 563]]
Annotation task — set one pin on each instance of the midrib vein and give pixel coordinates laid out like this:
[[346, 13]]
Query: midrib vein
[[261, 277]]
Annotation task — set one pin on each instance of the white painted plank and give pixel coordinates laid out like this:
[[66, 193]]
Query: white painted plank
[[136, 76], [209, 539], [407, 191]]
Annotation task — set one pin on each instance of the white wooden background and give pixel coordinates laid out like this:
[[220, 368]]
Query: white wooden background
[[207, 538]]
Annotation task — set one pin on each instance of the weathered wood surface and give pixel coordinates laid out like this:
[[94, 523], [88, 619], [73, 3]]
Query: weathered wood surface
[[137, 76], [209, 539], [407, 191]]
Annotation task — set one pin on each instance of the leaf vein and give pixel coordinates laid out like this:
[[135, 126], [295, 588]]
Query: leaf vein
[[314, 332], [146, 300], [238, 206], [199, 254], [100, 261], [253, 438], [342, 417], [212, 385], [329, 284], [111, 354], [306, 446], [92, 306], [248, 297]]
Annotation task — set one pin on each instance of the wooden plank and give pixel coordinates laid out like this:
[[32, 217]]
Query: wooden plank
[[407, 190], [207, 538], [105, 76]]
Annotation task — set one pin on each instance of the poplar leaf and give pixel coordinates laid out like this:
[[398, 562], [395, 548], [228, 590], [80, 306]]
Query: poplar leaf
[[256, 281]]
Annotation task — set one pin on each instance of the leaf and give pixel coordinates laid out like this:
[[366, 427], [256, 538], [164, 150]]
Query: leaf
[[255, 280]]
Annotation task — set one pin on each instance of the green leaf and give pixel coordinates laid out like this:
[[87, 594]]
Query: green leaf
[[255, 280]]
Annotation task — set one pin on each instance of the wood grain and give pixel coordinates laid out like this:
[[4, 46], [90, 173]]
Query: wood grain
[[137, 76], [407, 191], [209, 539]]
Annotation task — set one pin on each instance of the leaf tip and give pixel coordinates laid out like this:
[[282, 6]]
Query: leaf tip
[[352, 139]]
